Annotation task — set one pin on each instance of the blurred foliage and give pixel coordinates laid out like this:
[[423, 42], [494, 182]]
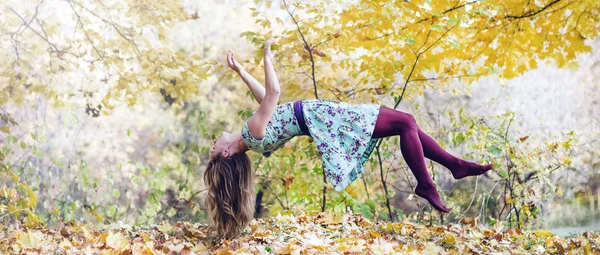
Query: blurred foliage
[[109, 56], [96, 58], [521, 182]]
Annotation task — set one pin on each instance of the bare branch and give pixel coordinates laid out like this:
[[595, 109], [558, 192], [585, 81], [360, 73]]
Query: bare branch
[[130, 40], [446, 78], [532, 13], [87, 36], [306, 46], [387, 199]]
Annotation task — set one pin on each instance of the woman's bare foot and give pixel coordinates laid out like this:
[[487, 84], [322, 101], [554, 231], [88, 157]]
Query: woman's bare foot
[[465, 168], [430, 193]]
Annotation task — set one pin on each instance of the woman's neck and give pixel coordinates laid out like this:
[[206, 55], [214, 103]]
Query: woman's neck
[[240, 143]]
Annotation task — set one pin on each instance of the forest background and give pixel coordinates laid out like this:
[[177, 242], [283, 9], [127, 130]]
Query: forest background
[[109, 108]]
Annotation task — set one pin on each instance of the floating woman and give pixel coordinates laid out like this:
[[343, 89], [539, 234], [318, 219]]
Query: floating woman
[[345, 135]]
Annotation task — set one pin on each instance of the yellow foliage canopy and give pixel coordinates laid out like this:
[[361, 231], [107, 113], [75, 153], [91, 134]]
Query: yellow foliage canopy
[[374, 42]]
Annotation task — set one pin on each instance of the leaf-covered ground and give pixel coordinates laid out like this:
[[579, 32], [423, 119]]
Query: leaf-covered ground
[[306, 234]]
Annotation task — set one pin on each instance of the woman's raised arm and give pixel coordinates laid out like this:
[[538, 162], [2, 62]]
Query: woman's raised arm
[[271, 82], [257, 124], [257, 89]]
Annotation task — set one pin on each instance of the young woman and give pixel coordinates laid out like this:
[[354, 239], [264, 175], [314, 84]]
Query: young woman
[[345, 136]]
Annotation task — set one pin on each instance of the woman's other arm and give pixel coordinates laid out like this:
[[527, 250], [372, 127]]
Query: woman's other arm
[[258, 122], [257, 89]]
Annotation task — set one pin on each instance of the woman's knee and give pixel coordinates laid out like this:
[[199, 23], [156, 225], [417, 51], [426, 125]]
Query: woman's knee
[[410, 121], [393, 122]]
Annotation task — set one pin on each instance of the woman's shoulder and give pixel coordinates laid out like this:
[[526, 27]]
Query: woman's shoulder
[[251, 142]]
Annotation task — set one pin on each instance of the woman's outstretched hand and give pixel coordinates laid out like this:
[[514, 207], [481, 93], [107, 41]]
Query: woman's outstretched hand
[[232, 63], [268, 43]]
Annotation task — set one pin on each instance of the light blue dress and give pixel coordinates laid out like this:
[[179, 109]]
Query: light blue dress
[[341, 131]]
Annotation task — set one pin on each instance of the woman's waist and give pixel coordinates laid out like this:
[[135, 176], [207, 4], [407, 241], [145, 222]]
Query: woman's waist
[[299, 114]]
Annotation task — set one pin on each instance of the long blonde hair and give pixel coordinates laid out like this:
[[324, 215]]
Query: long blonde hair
[[230, 199]]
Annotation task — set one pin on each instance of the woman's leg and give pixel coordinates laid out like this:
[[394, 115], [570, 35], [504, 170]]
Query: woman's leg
[[415, 144], [386, 126], [391, 122], [459, 167]]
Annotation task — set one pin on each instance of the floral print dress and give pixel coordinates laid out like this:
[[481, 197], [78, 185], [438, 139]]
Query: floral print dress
[[341, 131]]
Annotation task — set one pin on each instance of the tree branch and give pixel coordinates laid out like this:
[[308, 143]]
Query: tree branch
[[387, 200], [532, 13], [135, 47], [314, 80], [446, 78]]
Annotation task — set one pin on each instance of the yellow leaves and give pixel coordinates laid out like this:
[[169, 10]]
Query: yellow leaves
[[532, 63], [143, 248], [301, 234], [509, 72], [394, 227], [94, 213], [291, 248], [556, 244], [287, 181], [29, 239], [106, 102], [572, 65], [32, 202], [552, 146], [375, 234], [117, 241], [526, 210], [165, 227], [100, 239], [509, 200], [265, 23], [13, 210], [329, 219], [559, 192], [468, 221], [170, 73], [521, 68], [320, 249], [354, 189], [543, 233], [424, 233], [449, 239], [351, 245], [86, 233], [104, 44], [176, 248], [33, 220], [66, 244]]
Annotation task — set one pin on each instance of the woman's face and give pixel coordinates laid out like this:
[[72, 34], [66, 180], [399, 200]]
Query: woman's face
[[222, 145]]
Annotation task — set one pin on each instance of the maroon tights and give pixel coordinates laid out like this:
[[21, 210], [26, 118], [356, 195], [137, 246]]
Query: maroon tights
[[415, 145]]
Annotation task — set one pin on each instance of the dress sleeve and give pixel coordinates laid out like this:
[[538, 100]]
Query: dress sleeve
[[256, 145], [252, 143]]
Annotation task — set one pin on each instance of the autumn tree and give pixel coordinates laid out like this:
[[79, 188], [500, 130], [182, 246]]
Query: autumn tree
[[86, 55]]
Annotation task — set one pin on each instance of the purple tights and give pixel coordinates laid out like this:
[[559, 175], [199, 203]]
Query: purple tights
[[415, 145]]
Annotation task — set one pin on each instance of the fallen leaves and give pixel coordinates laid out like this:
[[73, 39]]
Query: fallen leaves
[[29, 239], [310, 233], [117, 241]]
